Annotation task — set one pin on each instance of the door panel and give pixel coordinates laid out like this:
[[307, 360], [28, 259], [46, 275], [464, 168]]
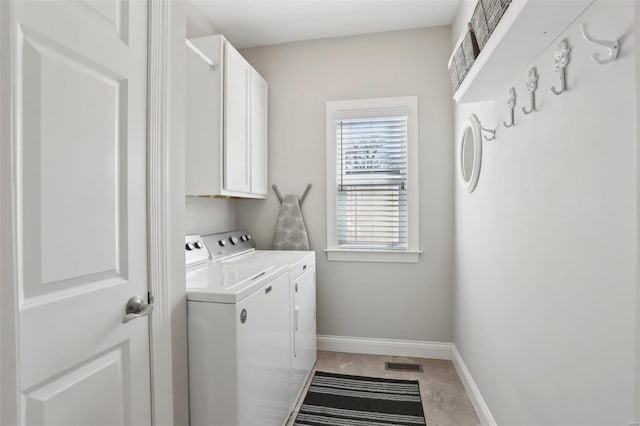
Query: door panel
[[103, 378], [236, 111], [259, 134], [73, 173], [113, 16], [80, 185]]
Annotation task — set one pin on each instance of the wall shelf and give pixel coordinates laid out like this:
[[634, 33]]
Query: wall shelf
[[526, 29]]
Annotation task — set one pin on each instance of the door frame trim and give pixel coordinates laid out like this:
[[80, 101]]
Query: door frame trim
[[9, 357], [157, 209], [165, 211], [637, 366]]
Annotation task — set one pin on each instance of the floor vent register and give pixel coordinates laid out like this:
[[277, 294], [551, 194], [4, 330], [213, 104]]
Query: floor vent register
[[403, 366]]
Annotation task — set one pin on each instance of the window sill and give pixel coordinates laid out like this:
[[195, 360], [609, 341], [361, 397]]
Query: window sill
[[390, 256]]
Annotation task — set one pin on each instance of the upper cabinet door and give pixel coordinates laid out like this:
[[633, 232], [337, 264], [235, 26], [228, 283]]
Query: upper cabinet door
[[259, 134], [237, 103], [203, 149]]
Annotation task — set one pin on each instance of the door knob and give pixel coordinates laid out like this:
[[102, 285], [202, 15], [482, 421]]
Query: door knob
[[136, 308]]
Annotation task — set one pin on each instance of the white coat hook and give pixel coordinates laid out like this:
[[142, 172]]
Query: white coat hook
[[560, 65], [532, 86], [613, 46], [511, 104], [491, 132]]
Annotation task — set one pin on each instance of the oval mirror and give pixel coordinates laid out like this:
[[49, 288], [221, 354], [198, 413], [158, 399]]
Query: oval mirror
[[469, 153]]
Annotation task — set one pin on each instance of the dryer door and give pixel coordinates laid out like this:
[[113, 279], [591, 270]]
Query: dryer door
[[304, 325]]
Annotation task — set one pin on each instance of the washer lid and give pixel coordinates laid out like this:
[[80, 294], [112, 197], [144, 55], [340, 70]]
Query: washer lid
[[290, 257], [229, 282]]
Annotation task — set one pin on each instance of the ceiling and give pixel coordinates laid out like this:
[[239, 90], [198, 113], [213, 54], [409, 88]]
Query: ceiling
[[265, 22]]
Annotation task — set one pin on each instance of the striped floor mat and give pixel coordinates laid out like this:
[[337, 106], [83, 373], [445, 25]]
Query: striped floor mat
[[340, 400]]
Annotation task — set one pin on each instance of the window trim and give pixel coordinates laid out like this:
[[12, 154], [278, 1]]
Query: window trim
[[360, 108]]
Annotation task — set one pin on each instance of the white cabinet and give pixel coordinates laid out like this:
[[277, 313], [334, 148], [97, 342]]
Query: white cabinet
[[236, 115], [304, 346], [227, 110], [259, 134]]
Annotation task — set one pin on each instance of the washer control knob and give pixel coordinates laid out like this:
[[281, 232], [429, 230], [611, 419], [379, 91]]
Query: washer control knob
[[243, 238], [248, 237], [198, 244], [189, 246], [233, 240], [222, 243]]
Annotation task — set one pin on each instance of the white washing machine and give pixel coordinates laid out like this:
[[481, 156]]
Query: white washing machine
[[251, 322]]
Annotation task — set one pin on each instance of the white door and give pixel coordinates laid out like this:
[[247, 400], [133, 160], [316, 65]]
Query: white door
[[237, 86], [259, 134], [79, 114]]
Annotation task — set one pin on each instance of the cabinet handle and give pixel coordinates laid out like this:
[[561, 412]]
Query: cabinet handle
[[258, 276], [267, 290], [297, 317], [304, 267]]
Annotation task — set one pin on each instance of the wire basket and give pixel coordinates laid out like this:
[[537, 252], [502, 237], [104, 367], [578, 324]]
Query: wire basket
[[470, 48], [462, 59], [480, 25], [486, 17], [494, 9], [455, 78], [461, 65]]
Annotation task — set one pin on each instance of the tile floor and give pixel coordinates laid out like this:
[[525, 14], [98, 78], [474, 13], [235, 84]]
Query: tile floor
[[444, 399]]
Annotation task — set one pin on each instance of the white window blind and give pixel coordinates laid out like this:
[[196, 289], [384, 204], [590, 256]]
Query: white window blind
[[371, 183]]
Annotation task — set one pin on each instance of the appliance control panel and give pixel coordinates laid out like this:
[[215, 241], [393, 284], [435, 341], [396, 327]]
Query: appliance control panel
[[195, 251], [228, 244]]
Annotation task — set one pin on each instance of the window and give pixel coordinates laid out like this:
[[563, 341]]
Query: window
[[372, 193], [372, 180]]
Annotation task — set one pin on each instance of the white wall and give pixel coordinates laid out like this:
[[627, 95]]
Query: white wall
[[205, 215], [637, 215], [400, 301], [198, 25], [209, 215], [546, 247]]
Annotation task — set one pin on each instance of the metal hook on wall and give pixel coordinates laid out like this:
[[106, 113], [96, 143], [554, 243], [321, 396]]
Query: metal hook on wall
[[511, 104], [492, 132], [532, 86], [613, 46], [300, 200], [560, 65]]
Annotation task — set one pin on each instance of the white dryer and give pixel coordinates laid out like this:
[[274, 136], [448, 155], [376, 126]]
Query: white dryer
[[251, 323], [302, 291]]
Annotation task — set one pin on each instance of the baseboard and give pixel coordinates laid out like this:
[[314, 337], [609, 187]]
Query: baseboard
[[371, 346], [481, 407]]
